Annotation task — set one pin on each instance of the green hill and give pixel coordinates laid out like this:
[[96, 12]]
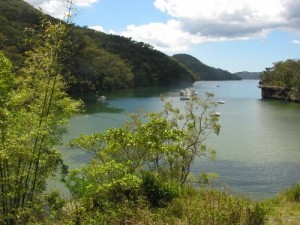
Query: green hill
[[249, 75], [202, 71], [99, 61]]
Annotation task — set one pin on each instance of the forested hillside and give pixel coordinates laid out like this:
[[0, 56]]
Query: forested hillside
[[15, 16], [99, 61], [202, 71], [248, 75]]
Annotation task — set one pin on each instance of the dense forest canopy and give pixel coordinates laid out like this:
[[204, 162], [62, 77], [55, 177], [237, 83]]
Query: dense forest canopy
[[99, 61], [283, 74], [202, 71]]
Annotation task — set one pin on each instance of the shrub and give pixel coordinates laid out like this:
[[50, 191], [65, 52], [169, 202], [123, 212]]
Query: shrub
[[157, 191]]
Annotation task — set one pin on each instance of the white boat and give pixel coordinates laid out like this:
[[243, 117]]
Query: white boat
[[215, 114], [221, 101], [102, 98], [187, 93]]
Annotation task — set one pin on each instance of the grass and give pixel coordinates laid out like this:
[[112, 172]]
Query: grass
[[192, 207], [285, 208]]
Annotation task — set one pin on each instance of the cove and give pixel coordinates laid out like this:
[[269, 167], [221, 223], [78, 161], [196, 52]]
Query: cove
[[258, 150]]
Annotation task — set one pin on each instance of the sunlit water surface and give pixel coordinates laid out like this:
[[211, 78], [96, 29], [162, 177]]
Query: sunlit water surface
[[258, 151]]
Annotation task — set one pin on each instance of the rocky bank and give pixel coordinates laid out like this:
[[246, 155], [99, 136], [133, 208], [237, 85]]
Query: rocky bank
[[280, 93]]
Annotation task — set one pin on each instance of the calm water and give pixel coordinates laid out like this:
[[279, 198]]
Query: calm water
[[258, 150]]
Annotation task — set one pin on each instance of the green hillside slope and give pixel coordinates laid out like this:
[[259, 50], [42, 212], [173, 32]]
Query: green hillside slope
[[202, 71], [99, 61]]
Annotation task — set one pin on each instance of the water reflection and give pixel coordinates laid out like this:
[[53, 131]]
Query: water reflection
[[258, 147]]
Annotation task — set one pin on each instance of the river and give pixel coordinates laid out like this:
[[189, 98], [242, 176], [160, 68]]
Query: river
[[258, 150]]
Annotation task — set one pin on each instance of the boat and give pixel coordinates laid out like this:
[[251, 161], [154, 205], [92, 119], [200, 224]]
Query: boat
[[101, 98], [221, 101], [217, 114], [186, 94]]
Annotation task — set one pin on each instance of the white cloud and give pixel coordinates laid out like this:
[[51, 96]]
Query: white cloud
[[97, 28], [162, 36], [197, 21], [227, 18], [169, 37], [296, 42], [58, 8], [84, 2]]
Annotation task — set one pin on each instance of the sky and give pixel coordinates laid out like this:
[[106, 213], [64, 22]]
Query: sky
[[234, 35]]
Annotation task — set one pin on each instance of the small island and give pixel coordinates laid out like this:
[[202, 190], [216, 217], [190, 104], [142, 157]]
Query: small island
[[282, 81]]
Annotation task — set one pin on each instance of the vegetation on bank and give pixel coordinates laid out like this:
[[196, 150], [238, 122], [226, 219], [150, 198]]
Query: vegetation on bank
[[282, 81], [285, 74], [139, 174], [98, 61], [34, 109], [285, 207]]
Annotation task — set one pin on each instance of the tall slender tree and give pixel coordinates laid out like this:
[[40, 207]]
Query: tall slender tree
[[34, 111]]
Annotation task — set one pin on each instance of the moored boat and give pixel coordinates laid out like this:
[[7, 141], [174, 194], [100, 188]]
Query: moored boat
[[217, 114], [101, 98], [187, 93]]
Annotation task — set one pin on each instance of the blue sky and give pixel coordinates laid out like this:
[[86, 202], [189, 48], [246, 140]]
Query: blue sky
[[235, 35]]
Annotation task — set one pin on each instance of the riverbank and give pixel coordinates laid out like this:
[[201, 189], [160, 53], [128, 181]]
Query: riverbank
[[191, 206], [280, 93], [285, 207]]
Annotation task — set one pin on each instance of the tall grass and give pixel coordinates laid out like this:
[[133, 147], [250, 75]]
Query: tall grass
[[211, 207], [192, 207], [292, 193]]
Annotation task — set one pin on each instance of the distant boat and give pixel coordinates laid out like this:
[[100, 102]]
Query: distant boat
[[217, 114], [187, 93], [101, 98], [221, 101]]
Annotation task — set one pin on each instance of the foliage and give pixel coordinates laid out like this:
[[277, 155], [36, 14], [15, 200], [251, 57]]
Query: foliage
[[284, 208], [98, 61], [283, 74], [15, 15], [6, 79], [191, 206], [167, 143], [101, 186], [103, 70], [293, 193], [202, 71], [157, 191], [34, 111], [208, 206], [146, 161]]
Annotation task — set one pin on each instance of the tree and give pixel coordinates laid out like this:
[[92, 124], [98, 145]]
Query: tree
[[283, 74], [34, 111], [163, 144]]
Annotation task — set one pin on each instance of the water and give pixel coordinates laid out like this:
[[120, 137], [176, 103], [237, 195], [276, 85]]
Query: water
[[258, 150]]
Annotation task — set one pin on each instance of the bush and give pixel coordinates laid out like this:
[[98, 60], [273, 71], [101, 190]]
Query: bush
[[157, 191]]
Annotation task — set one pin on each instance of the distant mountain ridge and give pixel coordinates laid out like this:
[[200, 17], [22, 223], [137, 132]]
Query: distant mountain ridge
[[202, 71], [248, 75]]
